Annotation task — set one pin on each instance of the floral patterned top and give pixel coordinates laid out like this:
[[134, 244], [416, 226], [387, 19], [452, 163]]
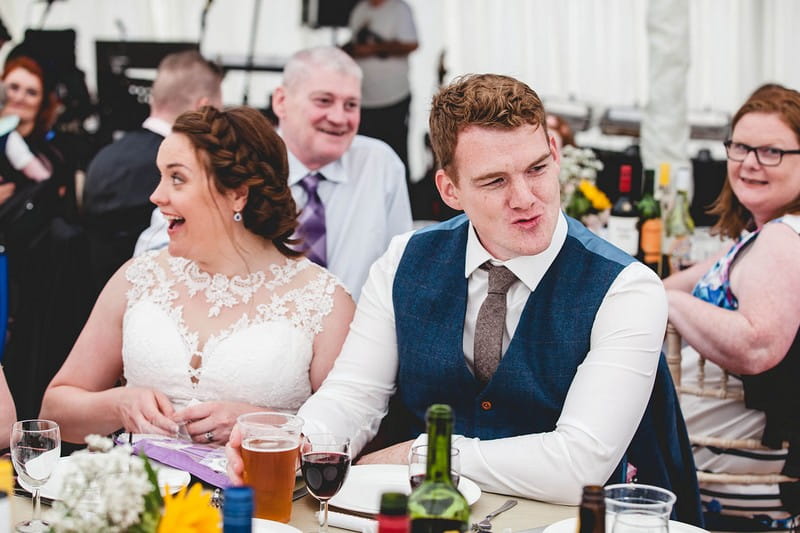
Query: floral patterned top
[[714, 287]]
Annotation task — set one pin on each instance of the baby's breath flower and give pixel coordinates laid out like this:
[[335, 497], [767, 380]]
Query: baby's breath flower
[[104, 489], [579, 195]]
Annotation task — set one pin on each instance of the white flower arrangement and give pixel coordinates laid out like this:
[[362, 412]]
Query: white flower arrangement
[[580, 197], [105, 490], [577, 164]]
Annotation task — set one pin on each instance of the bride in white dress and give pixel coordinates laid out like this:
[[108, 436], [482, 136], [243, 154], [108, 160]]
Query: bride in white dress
[[228, 319]]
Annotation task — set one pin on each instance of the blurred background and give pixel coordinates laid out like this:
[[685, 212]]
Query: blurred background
[[586, 58]]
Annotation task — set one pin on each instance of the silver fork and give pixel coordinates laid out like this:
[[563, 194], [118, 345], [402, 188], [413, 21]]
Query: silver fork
[[485, 524]]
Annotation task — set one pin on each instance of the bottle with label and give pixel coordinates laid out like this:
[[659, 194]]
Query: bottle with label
[[679, 225], [237, 510], [393, 516], [592, 513], [436, 505], [622, 223], [650, 226]]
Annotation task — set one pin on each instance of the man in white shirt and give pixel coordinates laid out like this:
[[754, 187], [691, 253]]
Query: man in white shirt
[[569, 403], [363, 189]]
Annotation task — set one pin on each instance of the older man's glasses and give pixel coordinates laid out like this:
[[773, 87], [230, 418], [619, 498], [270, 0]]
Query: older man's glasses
[[765, 155]]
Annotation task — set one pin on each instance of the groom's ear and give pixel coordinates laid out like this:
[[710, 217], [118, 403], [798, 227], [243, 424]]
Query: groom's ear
[[448, 189]]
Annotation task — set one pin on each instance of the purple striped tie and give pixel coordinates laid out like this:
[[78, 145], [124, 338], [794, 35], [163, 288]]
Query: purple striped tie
[[312, 221]]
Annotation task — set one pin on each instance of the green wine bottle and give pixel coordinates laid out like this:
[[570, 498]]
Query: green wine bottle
[[436, 506], [679, 225]]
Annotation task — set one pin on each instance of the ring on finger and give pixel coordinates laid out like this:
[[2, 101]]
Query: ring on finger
[[209, 436]]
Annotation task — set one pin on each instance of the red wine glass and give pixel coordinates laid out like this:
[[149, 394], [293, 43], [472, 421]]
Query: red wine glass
[[325, 461]]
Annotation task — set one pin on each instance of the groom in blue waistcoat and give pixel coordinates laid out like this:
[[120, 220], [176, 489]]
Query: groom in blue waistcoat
[[544, 338]]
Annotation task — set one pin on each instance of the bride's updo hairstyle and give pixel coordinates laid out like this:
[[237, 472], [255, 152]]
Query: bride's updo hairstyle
[[240, 147]]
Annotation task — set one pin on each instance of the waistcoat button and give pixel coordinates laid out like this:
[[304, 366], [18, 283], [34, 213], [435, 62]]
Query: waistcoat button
[[486, 405]]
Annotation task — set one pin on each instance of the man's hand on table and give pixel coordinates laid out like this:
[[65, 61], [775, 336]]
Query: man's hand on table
[[396, 454]]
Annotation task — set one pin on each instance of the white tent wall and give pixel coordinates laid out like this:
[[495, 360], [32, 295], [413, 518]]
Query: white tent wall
[[594, 50]]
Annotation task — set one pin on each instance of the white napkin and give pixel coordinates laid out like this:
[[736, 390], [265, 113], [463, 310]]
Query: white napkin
[[40, 467], [346, 521]]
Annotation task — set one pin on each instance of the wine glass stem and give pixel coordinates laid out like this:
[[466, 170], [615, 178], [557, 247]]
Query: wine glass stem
[[323, 509], [36, 505]]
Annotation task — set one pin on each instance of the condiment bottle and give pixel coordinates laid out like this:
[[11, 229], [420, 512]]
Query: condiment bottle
[[393, 516]]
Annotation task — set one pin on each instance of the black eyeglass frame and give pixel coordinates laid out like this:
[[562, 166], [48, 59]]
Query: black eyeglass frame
[[755, 150]]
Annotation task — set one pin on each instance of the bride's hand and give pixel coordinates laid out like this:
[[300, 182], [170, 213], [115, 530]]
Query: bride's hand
[[146, 411], [211, 422]]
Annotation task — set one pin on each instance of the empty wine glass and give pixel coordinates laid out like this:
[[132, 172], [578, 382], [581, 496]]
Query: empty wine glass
[[325, 461], [35, 451], [418, 464]]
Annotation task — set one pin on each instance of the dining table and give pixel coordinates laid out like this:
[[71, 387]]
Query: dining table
[[527, 514]]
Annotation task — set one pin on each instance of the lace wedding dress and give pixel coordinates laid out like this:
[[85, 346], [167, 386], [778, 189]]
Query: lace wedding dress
[[198, 337]]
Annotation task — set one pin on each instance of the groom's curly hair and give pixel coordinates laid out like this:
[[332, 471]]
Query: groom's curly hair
[[241, 148], [485, 100]]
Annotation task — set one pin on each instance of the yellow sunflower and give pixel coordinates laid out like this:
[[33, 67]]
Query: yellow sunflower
[[598, 198], [189, 512], [6, 477]]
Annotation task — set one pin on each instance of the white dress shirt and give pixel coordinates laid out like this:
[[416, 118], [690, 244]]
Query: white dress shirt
[[366, 204], [603, 406], [157, 125]]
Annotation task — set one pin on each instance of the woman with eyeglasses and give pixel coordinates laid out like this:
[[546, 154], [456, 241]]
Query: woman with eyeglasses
[[741, 311]]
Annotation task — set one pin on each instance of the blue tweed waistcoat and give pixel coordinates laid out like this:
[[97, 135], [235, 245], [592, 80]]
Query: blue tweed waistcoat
[[527, 391]]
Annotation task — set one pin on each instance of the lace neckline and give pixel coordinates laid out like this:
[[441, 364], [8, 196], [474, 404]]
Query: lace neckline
[[223, 291]]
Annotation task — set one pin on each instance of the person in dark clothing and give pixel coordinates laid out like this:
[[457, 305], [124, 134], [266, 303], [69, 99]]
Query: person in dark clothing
[[46, 304], [122, 175]]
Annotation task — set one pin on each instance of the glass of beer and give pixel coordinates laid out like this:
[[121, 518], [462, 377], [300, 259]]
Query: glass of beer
[[270, 443]]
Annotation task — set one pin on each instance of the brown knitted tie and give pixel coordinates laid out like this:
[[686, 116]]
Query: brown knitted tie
[[491, 322]]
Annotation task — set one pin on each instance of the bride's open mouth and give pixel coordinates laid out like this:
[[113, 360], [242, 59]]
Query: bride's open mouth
[[174, 221]]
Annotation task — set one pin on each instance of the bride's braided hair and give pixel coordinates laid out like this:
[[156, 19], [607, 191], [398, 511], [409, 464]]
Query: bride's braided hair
[[240, 147]]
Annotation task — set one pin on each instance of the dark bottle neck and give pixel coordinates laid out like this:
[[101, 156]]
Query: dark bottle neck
[[648, 184], [440, 429], [592, 514]]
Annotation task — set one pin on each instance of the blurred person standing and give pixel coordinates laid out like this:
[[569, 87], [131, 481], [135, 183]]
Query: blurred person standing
[[560, 130], [122, 175], [351, 188], [45, 303], [384, 35]]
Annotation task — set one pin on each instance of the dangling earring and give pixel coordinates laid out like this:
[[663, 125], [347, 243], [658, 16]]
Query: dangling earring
[[237, 216]]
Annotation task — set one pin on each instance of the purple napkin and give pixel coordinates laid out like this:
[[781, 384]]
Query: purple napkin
[[188, 456]]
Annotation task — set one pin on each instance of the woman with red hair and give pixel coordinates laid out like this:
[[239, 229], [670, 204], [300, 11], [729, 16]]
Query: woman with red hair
[[41, 249]]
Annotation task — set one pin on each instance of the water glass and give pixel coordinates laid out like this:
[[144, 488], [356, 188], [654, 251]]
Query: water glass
[[632, 508], [418, 463], [35, 451], [640, 522]]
